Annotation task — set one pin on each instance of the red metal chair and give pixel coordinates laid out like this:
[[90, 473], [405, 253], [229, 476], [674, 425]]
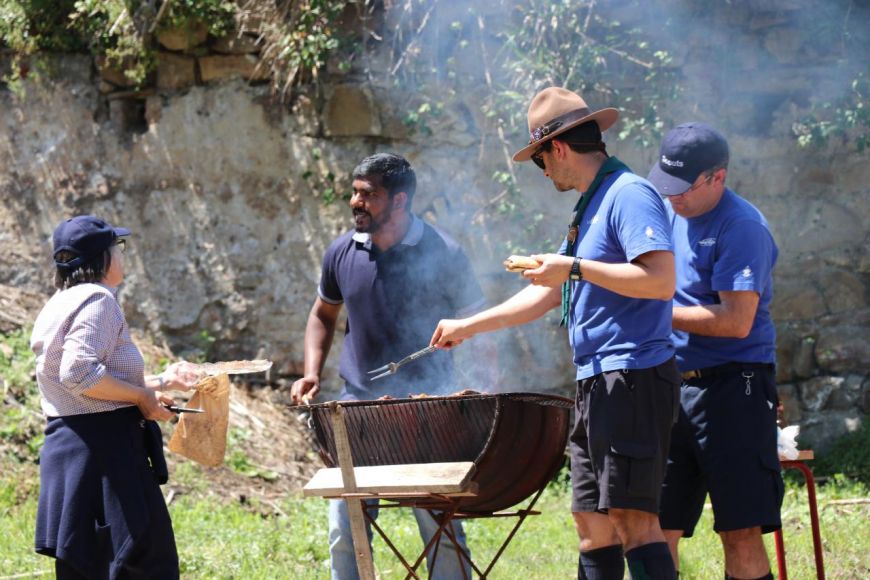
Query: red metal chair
[[799, 464]]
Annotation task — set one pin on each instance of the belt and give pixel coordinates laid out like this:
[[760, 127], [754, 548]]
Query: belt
[[723, 368]]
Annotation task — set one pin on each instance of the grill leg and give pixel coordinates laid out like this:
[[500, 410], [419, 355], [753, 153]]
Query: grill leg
[[460, 553], [411, 571], [445, 518], [523, 514]]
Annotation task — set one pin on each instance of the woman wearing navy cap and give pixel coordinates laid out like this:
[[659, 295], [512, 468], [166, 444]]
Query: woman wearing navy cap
[[101, 513]]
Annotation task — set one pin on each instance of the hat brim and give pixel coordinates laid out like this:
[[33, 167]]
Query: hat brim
[[121, 232], [604, 117], [665, 183]]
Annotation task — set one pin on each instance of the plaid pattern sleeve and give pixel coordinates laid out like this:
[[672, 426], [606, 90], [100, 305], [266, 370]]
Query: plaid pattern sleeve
[[80, 336]]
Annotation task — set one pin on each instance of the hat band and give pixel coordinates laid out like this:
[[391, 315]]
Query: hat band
[[545, 130]]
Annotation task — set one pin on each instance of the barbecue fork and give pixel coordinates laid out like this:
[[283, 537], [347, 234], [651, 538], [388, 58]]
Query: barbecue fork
[[391, 368]]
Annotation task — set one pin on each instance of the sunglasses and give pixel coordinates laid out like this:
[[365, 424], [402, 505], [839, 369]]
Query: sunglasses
[[122, 245], [537, 158]]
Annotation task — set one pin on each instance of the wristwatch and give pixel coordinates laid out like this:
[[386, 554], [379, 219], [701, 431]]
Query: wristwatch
[[575, 273]]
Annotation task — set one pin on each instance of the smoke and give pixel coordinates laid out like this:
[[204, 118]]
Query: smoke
[[466, 72]]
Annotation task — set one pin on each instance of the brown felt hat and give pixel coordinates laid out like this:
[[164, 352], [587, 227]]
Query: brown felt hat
[[555, 110]]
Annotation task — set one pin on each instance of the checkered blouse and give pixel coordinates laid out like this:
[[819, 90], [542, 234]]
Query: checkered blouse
[[80, 335]]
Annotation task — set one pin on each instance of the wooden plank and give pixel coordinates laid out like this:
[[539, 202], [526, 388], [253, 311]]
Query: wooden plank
[[355, 507], [452, 478], [803, 455]]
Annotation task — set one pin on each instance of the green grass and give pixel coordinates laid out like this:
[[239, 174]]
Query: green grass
[[219, 538]]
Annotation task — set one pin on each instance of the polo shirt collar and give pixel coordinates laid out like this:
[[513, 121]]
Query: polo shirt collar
[[412, 236]]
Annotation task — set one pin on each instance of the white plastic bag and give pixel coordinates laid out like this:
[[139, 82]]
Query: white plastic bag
[[785, 442]]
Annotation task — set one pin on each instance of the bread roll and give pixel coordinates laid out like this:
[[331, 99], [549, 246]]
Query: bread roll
[[520, 263]]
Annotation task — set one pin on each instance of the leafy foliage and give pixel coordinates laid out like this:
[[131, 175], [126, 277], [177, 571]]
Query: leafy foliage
[[574, 43], [217, 15], [297, 35], [21, 422], [30, 25], [119, 30], [849, 457], [845, 118]]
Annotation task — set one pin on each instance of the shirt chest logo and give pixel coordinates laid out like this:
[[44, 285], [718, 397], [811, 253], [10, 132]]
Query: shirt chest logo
[[747, 272], [707, 242]]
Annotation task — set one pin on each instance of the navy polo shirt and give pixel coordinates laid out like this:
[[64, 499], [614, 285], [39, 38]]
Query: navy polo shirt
[[729, 248], [394, 300]]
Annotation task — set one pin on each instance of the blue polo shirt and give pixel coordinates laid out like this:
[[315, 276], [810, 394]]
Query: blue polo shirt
[[607, 331], [729, 248], [394, 300]]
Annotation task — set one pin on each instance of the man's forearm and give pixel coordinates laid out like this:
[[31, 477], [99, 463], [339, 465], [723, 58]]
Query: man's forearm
[[525, 306], [319, 333], [708, 320]]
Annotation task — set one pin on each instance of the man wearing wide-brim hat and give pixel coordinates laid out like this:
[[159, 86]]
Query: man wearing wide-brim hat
[[614, 278]]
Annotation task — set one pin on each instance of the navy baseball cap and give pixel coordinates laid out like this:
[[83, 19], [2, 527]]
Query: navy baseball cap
[[687, 151], [85, 236]]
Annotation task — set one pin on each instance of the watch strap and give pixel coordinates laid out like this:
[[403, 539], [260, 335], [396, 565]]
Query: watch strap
[[576, 274]]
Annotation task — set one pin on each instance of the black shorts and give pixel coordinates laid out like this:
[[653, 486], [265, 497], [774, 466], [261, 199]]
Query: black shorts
[[619, 444], [724, 443]]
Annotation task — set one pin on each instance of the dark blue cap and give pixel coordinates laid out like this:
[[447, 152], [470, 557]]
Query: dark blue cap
[[85, 236], [687, 151]]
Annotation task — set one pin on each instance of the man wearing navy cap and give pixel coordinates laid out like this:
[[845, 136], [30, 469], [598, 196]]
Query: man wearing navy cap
[[724, 442]]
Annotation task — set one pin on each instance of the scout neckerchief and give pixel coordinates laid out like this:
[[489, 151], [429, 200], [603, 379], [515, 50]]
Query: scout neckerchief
[[612, 165]]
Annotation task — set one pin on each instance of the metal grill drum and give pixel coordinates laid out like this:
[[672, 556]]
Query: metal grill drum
[[516, 440]]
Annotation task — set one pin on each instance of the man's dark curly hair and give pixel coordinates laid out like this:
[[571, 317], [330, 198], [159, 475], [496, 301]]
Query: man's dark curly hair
[[394, 170]]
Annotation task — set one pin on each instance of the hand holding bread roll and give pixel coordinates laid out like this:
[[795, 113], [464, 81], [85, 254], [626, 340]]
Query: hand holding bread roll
[[520, 263]]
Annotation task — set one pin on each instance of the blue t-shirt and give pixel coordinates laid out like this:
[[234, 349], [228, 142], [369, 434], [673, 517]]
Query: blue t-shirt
[[729, 248], [394, 300], [607, 331]]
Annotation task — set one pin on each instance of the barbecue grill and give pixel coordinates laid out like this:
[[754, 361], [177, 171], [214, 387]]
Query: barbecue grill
[[511, 443]]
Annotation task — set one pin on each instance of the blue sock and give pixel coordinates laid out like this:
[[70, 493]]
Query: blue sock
[[602, 564], [651, 562]]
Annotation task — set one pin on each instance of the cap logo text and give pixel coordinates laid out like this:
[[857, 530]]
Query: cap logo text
[[672, 162]]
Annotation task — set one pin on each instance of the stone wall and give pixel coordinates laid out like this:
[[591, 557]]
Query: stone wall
[[223, 185]]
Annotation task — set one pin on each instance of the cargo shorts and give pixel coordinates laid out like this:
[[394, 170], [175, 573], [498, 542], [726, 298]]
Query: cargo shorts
[[724, 445], [619, 443]]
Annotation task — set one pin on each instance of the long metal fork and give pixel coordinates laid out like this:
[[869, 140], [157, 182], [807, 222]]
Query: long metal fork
[[391, 368]]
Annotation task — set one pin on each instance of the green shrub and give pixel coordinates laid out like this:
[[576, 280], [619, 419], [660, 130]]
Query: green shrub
[[850, 456], [21, 421]]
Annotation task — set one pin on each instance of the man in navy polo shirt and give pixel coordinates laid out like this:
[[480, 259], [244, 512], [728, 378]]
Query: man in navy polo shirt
[[617, 261], [724, 442], [397, 276]]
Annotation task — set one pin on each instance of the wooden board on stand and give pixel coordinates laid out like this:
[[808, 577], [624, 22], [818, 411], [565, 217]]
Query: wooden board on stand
[[443, 478]]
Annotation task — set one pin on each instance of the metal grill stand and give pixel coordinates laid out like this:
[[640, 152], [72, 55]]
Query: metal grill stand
[[437, 487]]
